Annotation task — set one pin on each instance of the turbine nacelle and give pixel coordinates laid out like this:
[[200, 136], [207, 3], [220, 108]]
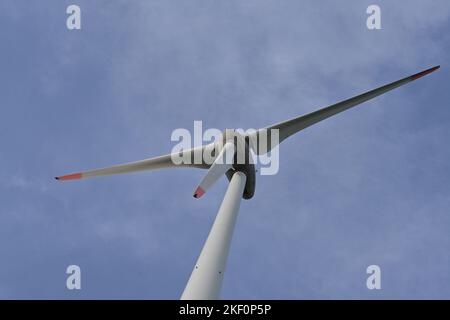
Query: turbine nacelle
[[233, 155]]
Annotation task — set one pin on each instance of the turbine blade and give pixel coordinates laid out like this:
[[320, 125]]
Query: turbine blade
[[217, 169], [142, 165], [290, 127]]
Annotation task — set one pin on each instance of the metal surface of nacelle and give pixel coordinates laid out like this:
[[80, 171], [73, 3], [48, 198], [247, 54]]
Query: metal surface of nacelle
[[242, 160]]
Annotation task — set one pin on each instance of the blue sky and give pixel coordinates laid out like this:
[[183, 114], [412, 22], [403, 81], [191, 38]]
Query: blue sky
[[370, 186]]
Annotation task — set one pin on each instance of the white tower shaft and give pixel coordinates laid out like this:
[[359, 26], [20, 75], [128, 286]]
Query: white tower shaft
[[206, 278]]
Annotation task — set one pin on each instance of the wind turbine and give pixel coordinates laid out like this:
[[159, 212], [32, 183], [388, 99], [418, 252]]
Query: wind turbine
[[206, 278]]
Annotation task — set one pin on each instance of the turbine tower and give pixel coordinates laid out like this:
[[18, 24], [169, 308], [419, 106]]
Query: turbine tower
[[232, 157]]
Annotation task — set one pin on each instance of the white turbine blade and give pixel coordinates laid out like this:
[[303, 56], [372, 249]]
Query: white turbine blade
[[142, 165], [217, 169], [207, 275], [290, 127]]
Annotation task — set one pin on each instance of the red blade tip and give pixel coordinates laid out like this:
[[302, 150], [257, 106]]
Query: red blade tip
[[70, 177], [424, 73], [199, 192]]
